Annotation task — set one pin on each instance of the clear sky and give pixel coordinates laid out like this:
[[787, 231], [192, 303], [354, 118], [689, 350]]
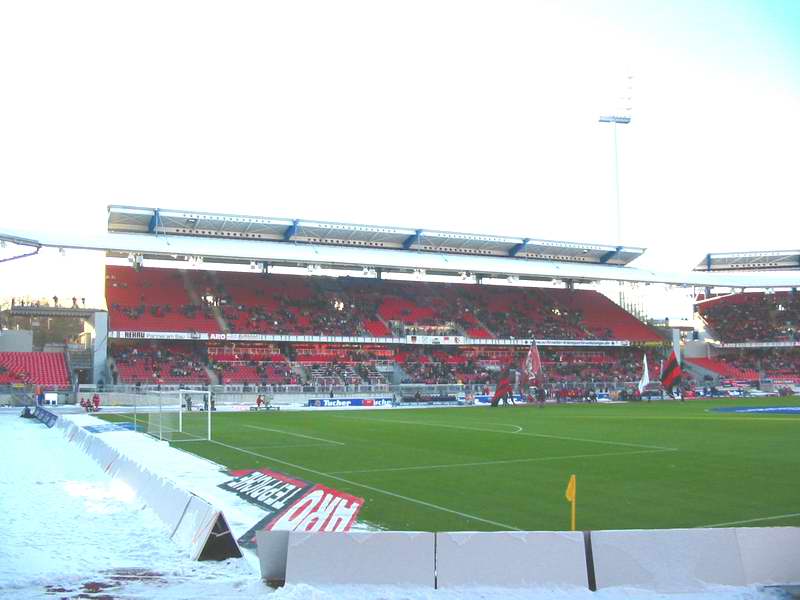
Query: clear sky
[[477, 116]]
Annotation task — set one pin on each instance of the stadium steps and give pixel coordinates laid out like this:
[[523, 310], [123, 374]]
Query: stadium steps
[[196, 299], [212, 376]]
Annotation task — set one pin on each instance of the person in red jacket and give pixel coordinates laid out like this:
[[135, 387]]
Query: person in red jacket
[[96, 401]]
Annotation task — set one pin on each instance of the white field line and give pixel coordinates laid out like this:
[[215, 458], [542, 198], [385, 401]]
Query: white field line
[[300, 435], [773, 518], [372, 488], [289, 446], [541, 435], [501, 462]]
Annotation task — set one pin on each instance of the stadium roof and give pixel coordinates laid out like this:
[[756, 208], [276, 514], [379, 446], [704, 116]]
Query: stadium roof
[[750, 261], [158, 221], [177, 248]]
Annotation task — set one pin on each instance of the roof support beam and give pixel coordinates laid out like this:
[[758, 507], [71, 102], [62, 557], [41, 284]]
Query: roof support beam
[[609, 255], [154, 220], [412, 239], [291, 231], [519, 247]]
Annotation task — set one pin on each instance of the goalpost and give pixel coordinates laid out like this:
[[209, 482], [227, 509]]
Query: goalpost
[[181, 415]]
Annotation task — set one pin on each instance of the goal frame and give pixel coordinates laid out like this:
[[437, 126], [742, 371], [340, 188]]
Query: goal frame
[[181, 395]]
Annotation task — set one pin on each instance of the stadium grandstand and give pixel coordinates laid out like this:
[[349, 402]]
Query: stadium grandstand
[[752, 335], [289, 306]]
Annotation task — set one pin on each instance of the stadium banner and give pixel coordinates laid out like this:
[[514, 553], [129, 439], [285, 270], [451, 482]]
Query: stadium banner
[[292, 504], [759, 345], [45, 416], [339, 402], [430, 340]]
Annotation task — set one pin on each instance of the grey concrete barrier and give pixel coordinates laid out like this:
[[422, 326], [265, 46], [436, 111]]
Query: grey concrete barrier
[[361, 558], [511, 559]]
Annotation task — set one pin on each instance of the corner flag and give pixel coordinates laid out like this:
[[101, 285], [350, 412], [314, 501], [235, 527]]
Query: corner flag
[[645, 376], [570, 496], [671, 373]]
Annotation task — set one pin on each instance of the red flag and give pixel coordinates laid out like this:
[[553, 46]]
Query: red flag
[[532, 365], [671, 373]]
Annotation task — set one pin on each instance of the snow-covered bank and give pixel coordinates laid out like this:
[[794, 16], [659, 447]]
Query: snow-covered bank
[[68, 531], [67, 528]]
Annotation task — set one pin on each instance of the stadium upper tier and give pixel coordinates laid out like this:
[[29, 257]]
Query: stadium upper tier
[[159, 300], [753, 317]]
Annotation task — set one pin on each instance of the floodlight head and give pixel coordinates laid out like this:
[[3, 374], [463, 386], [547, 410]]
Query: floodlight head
[[620, 119]]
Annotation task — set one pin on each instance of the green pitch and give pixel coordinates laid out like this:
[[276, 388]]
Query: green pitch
[[640, 465]]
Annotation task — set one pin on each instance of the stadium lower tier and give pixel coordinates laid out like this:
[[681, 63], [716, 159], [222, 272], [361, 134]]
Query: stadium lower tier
[[327, 365], [779, 365]]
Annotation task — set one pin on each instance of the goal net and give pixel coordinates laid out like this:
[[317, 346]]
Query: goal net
[[181, 415]]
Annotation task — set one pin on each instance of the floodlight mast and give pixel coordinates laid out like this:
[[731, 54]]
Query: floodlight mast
[[617, 120]]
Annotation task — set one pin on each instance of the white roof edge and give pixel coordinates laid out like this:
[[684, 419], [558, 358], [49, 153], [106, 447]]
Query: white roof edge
[[246, 250], [404, 230]]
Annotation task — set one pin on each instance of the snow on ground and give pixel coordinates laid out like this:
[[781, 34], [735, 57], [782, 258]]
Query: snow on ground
[[70, 531]]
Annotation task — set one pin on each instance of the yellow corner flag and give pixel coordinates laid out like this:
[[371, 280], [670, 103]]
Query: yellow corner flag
[[570, 495]]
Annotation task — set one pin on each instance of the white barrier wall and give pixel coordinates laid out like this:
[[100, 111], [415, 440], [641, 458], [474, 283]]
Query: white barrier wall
[[770, 555], [389, 557], [667, 560], [188, 518], [511, 559], [272, 549], [194, 526]]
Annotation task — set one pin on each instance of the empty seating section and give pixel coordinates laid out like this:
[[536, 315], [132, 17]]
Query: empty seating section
[[724, 369], [604, 319], [213, 302], [753, 317], [781, 365], [35, 368]]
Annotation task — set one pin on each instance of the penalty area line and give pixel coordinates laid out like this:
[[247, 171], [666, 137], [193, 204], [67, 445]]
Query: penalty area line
[[525, 433], [372, 488]]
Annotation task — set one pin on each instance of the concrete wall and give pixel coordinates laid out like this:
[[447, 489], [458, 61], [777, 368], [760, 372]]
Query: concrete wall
[[16, 340], [664, 561]]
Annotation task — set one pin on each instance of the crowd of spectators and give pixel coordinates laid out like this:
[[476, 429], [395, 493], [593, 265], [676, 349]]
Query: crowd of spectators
[[288, 304], [754, 317], [774, 363], [159, 364], [322, 365]]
